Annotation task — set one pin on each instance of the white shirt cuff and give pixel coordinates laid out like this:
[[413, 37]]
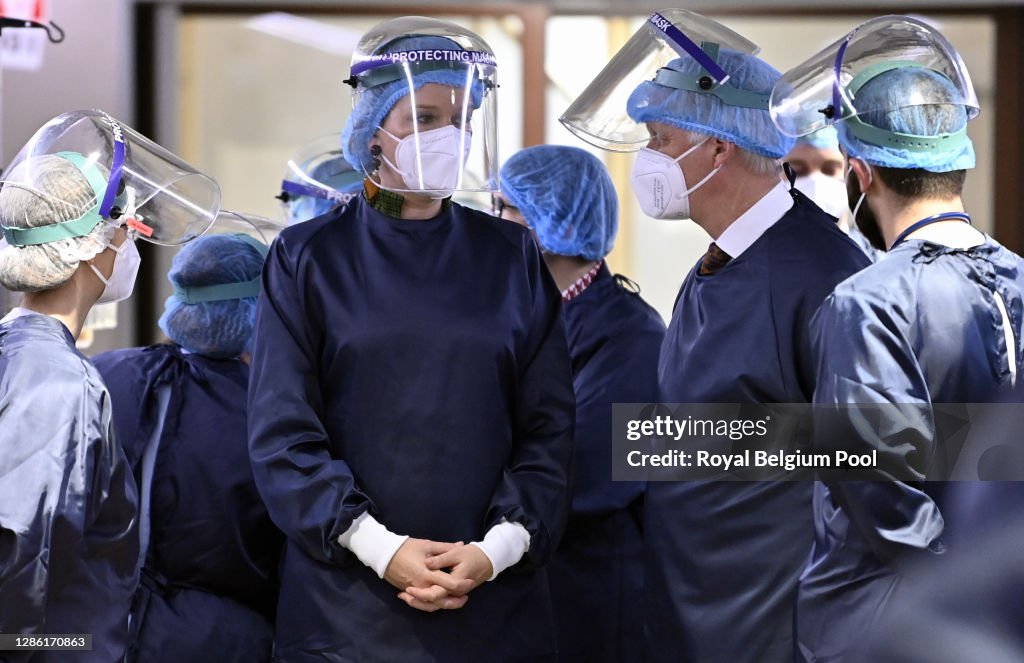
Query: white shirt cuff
[[504, 544], [372, 543]]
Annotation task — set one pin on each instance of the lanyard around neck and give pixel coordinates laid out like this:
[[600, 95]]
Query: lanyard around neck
[[917, 225]]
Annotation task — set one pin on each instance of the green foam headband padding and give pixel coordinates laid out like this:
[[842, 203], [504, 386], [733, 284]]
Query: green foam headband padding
[[79, 227], [224, 291], [894, 139]]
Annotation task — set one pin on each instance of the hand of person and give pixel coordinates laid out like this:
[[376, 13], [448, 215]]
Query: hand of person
[[465, 563], [408, 569]]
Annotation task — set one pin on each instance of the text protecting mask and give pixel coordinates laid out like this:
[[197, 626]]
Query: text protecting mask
[[659, 184]]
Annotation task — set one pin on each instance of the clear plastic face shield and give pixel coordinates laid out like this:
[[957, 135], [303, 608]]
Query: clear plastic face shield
[[598, 115], [823, 90], [137, 183], [424, 116], [258, 228], [317, 179]]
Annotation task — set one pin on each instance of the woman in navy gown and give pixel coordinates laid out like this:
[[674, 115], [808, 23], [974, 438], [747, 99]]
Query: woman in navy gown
[[411, 403]]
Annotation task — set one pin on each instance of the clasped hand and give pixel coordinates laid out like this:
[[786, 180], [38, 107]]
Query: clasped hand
[[437, 576]]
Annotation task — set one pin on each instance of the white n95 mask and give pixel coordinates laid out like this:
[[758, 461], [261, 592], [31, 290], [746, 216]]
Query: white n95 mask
[[122, 277], [659, 184], [828, 193], [438, 165]]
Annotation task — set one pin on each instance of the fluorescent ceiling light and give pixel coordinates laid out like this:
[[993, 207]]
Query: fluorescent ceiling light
[[307, 32]]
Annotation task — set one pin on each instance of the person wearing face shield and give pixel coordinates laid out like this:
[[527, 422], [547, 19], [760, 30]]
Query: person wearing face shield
[[210, 552], [820, 175], [596, 574], [936, 321], [69, 540], [410, 402], [319, 178], [722, 557]]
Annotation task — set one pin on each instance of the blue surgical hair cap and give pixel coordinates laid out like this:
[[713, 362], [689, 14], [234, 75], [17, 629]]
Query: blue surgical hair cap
[[219, 329], [892, 89], [566, 196], [374, 104], [749, 128], [822, 139]]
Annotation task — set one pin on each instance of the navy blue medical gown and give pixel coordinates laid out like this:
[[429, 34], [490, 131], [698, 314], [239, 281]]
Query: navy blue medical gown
[[69, 543], [209, 581], [724, 557], [418, 370], [920, 326], [596, 575]]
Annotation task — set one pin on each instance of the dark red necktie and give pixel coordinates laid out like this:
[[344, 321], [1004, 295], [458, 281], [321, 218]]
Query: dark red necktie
[[714, 260]]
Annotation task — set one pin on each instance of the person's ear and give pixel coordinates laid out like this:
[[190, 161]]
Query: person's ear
[[863, 173], [722, 151]]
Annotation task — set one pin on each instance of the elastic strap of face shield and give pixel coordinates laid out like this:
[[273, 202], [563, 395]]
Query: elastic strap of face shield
[[909, 142], [222, 292], [218, 293], [702, 84], [873, 135], [79, 227]]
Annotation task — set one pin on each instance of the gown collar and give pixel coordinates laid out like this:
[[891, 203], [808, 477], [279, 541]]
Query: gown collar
[[581, 284], [753, 223]]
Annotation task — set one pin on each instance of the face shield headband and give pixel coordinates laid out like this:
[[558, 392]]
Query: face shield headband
[[291, 190], [712, 80], [224, 291], [873, 135], [390, 67], [85, 223]]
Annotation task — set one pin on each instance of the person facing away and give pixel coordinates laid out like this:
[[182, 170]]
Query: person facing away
[[965, 605], [209, 577], [69, 540], [820, 175], [937, 320], [723, 557], [410, 406], [566, 197]]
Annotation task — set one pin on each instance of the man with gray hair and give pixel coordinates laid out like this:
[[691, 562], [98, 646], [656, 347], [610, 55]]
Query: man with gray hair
[[723, 557], [936, 321]]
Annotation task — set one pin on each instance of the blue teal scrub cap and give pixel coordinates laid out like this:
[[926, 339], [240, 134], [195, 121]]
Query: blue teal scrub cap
[[931, 136], [216, 279], [822, 139]]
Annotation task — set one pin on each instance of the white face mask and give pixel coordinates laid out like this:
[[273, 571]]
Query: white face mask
[[828, 193], [660, 186], [122, 277], [437, 167]]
